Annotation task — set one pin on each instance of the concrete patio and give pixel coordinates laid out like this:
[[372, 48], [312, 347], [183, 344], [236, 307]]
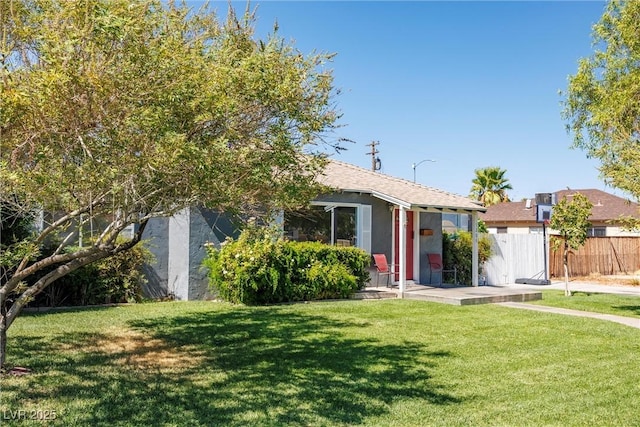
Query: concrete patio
[[455, 295]]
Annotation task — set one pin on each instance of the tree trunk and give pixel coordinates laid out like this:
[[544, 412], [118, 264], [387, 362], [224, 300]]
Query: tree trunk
[[9, 314], [3, 334], [567, 291]]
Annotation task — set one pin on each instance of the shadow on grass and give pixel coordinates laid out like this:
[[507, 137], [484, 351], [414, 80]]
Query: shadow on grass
[[634, 309], [247, 366]]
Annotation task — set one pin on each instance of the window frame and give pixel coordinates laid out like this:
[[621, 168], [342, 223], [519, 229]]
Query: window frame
[[363, 221]]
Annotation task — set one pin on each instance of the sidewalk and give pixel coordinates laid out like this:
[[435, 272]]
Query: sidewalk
[[629, 321], [583, 287], [580, 287]]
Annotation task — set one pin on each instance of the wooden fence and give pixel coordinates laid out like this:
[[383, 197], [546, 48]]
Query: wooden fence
[[599, 255]]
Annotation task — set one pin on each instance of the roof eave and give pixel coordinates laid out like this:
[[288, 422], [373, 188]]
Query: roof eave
[[408, 205]]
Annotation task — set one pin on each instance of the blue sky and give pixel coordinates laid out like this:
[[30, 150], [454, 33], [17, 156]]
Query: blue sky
[[467, 84]]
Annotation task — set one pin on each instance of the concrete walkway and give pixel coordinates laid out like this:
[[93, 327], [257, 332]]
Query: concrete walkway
[[583, 287], [629, 321], [471, 294], [580, 287], [450, 294]]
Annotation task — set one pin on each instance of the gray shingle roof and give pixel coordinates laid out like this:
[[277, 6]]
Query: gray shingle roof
[[350, 178]]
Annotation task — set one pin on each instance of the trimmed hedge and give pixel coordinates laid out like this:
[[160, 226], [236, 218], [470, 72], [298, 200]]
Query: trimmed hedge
[[259, 269]]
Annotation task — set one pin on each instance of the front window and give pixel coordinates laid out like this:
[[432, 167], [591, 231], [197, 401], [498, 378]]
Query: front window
[[327, 224]]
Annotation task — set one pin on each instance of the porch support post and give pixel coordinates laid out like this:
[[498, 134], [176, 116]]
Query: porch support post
[[333, 225], [474, 248], [402, 256]]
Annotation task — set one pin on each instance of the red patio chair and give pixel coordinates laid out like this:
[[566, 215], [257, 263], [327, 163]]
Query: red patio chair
[[383, 268], [436, 266]]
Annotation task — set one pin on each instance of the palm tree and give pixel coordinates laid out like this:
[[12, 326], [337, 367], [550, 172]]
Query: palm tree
[[490, 186]]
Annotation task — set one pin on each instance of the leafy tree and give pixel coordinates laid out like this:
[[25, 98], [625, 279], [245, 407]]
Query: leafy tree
[[571, 220], [113, 112], [490, 186], [602, 103], [15, 225]]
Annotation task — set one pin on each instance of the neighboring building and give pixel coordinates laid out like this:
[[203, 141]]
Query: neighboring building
[[520, 217], [363, 211]]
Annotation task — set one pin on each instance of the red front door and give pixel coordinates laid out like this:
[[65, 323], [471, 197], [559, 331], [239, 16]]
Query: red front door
[[408, 243]]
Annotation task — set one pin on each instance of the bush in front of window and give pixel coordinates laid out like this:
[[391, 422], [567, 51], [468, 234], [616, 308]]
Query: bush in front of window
[[259, 268]]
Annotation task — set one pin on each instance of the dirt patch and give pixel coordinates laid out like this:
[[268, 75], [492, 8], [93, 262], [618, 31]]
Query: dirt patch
[[133, 348], [631, 281], [16, 371]]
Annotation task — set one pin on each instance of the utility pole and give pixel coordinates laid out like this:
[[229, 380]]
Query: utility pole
[[375, 161]]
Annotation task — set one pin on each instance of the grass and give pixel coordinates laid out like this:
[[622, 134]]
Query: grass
[[620, 305], [378, 363]]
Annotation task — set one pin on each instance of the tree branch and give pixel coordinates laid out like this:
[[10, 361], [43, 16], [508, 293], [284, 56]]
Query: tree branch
[[56, 224], [20, 275], [65, 269], [47, 279]]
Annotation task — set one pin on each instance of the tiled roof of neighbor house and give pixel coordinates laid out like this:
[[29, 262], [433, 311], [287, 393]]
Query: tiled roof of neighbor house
[[351, 178], [509, 212], [606, 207]]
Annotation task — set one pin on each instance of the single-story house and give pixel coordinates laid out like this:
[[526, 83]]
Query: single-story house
[[520, 217], [364, 210]]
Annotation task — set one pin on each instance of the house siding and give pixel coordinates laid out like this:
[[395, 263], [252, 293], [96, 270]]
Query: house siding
[[157, 272], [177, 244], [380, 218], [619, 232], [611, 231]]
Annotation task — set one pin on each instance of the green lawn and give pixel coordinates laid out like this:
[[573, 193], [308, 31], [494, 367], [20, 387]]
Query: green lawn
[[620, 305], [377, 363]]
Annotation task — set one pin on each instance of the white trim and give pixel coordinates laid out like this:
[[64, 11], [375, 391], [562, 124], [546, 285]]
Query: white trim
[[363, 237], [402, 229], [438, 209], [393, 241], [333, 223], [474, 249], [336, 204], [408, 205], [392, 200], [416, 246], [402, 256], [364, 227]]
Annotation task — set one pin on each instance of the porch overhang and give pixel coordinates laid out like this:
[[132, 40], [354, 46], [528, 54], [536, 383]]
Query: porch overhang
[[392, 200], [405, 195], [405, 205], [416, 207]]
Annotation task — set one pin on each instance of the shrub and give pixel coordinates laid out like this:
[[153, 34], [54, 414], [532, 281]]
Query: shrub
[[259, 268], [457, 252], [16, 228], [115, 279]]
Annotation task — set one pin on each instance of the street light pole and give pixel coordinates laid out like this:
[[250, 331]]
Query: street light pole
[[415, 165]]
